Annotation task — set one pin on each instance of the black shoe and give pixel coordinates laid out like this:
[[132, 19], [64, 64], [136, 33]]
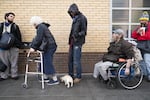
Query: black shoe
[[2, 79], [148, 78], [15, 78]]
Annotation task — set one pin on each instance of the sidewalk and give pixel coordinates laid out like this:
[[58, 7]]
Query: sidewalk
[[88, 89]]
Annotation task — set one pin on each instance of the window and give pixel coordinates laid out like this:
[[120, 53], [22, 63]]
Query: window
[[126, 14]]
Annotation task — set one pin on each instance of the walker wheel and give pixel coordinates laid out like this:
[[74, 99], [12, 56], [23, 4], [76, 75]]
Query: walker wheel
[[24, 85]]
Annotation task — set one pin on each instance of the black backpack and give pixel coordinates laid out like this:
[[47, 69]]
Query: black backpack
[[7, 39]]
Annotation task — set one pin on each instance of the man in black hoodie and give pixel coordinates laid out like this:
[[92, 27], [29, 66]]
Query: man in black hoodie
[[76, 40]]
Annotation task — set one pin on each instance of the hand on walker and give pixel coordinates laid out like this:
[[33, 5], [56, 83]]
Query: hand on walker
[[31, 50]]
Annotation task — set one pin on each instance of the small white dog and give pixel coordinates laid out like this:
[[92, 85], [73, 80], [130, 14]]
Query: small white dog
[[67, 79]]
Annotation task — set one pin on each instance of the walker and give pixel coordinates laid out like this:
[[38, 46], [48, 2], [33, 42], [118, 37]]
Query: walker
[[38, 59]]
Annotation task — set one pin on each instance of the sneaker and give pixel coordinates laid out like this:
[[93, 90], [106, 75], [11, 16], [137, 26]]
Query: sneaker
[[15, 78], [45, 80], [52, 82], [2, 79], [77, 80]]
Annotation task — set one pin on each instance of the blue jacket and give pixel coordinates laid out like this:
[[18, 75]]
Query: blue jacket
[[42, 32]]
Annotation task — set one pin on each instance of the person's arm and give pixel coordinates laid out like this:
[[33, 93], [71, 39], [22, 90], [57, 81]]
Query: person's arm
[[135, 33], [38, 39], [82, 23], [129, 53], [83, 27], [127, 70]]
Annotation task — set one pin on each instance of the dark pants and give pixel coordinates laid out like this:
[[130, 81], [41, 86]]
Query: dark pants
[[48, 61], [75, 61]]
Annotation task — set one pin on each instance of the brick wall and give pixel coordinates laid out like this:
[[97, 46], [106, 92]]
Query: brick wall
[[61, 62], [55, 13]]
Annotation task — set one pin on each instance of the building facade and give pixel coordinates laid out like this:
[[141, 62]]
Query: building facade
[[103, 16]]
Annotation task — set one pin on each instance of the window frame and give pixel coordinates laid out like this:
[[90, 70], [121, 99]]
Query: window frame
[[129, 24]]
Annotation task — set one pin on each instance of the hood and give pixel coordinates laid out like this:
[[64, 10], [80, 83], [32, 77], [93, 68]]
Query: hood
[[73, 9], [46, 24]]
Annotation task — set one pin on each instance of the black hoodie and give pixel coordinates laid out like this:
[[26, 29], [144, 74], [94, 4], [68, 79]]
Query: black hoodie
[[73, 9], [79, 26]]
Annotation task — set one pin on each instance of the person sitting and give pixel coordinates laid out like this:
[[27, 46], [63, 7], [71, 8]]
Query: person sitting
[[119, 48]]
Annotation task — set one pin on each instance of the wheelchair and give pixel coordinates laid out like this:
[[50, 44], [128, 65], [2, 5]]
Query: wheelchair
[[116, 75]]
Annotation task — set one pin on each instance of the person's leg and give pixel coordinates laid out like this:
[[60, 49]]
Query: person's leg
[[77, 60], [103, 69], [14, 53], [147, 62], [70, 62], [48, 62], [4, 56], [49, 69], [96, 69], [143, 67]]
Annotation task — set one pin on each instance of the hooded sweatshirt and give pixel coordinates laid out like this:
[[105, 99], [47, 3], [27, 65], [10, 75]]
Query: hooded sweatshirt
[[79, 26]]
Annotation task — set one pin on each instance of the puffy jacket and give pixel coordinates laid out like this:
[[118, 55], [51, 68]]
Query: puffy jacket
[[16, 32], [122, 49], [79, 26], [41, 32], [137, 36]]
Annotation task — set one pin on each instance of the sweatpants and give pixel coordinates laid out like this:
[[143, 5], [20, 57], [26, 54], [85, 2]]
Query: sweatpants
[[10, 59]]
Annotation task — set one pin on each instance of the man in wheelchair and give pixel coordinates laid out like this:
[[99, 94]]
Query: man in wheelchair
[[119, 48]]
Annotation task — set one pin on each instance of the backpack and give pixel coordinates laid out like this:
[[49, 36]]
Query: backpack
[[7, 40]]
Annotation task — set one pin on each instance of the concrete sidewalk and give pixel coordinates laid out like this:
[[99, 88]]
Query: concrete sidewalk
[[88, 89]]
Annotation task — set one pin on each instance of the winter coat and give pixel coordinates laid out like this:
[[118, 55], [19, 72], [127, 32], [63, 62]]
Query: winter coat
[[42, 32], [16, 32], [79, 26], [122, 49], [146, 36]]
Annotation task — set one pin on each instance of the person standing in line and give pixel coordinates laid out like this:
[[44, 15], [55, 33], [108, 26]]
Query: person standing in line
[[142, 34], [76, 40], [10, 57], [42, 34]]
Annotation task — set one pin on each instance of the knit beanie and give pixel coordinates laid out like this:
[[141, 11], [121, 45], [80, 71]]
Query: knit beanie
[[144, 17]]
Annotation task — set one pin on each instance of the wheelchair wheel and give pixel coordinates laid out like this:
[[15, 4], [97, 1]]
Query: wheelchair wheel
[[133, 80]]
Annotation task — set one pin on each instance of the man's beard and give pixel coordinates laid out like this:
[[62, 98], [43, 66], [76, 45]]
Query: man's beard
[[10, 21]]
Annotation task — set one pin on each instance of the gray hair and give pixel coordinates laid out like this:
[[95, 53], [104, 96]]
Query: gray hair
[[119, 31], [35, 20]]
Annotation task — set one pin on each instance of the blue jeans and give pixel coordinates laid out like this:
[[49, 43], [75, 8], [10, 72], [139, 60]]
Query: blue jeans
[[147, 62], [143, 67], [75, 61], [48, 61]]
